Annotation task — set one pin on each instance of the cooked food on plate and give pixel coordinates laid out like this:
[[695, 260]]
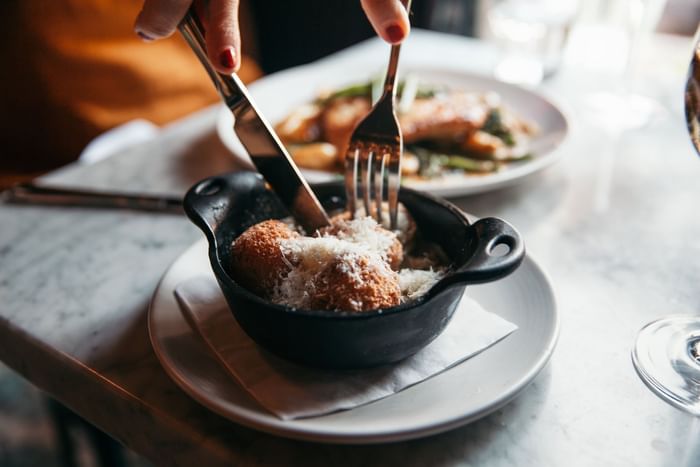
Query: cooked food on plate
[[444, 130], [351, 265]]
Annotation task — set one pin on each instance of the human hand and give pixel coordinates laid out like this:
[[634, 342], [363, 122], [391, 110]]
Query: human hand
[[159, 19], [389, 19]]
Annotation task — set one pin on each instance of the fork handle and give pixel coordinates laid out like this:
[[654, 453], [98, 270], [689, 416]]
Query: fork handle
[[390, 80]]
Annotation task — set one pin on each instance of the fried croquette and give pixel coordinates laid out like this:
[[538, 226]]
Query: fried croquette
[[257, 263], [349, 266], [358, 284]]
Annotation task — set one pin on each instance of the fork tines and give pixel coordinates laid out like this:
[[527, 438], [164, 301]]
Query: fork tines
[[371, 166]]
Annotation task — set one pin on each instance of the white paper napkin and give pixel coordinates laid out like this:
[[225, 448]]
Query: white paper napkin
[[293, 391]]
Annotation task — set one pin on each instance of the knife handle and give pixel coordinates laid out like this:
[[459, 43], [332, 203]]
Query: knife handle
[[228, 86]]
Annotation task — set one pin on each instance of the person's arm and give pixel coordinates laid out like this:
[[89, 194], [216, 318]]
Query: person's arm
[[159, 19]]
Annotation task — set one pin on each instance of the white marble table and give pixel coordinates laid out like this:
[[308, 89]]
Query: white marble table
[[614, 224]]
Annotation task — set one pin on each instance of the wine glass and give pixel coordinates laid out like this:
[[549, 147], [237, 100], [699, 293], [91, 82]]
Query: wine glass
[[610, 37], [532, 35], [667, 351]]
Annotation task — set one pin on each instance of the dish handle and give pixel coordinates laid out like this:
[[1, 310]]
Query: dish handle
[[209, 201], [498, 250]]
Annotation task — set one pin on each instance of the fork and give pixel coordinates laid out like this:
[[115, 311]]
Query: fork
[[374, 152]]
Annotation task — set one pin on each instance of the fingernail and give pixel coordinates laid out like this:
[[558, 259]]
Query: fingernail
[[395, 33], [144, 36], [227, 59]]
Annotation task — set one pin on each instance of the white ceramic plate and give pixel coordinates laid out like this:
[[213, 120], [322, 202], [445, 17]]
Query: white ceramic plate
[[277, 94], [458, 396]]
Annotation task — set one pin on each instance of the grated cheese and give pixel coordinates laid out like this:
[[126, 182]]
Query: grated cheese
[[416, 282], [311, 256], [360, 238], [364, 231]]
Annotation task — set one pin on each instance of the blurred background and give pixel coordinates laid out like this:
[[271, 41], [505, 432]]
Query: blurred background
[[73, 69]]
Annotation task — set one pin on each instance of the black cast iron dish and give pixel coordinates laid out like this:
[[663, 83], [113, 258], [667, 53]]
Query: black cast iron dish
[[225, 206]]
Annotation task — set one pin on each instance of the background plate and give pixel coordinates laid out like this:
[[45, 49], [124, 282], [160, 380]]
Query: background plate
[[273, 96], [460, 395]]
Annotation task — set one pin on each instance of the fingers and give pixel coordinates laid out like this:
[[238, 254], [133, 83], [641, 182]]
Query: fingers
[[223, 35], [389, 19], [159, 18]]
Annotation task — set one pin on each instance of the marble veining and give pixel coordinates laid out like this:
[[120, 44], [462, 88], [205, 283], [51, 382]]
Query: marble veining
[[75, 286]]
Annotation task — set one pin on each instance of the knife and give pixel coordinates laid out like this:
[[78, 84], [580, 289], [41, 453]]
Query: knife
[[258, 137], [32, 193]]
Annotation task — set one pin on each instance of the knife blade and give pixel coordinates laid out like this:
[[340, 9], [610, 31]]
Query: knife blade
[[258, 137]]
